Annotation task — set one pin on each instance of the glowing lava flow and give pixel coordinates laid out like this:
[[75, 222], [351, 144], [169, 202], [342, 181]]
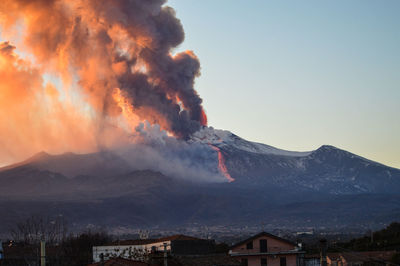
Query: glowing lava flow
[[203, 119], [221, 164]]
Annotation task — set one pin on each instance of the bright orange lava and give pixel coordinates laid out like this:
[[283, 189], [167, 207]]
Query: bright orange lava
[[221, 164], [203, 119]]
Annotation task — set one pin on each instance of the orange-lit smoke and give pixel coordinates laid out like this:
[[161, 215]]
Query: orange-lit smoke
[[126, 108], [113, 68], [221, 164], [32, 116]]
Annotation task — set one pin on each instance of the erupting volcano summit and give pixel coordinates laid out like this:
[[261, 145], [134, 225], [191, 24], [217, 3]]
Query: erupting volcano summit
[[78, 73]]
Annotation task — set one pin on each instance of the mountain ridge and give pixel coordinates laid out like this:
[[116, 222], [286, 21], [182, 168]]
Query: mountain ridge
[[270, 184]]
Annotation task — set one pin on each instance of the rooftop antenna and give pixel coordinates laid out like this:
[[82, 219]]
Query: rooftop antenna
[[207, 232]]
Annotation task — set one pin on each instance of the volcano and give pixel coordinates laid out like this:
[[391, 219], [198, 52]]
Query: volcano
[[107, 81], [281, 187]]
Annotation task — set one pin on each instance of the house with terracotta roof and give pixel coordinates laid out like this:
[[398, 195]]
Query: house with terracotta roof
[[267, 249], [140, 248]]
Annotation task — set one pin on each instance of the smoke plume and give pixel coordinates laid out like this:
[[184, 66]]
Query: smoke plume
[[77, 75], [152, 148]]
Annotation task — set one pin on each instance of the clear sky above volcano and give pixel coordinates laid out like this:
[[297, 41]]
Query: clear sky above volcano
[[300, 74]]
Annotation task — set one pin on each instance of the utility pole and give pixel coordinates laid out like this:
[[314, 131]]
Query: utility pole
[[165, 255], [42, 253], [323, 248], [1, 250]]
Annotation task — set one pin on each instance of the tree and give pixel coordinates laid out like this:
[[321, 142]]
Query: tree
[[35, 228], [78, 250]]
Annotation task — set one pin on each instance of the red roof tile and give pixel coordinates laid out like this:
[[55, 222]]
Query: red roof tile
[[260, 235]]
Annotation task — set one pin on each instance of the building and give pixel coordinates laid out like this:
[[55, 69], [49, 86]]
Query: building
[[207, 260], [266, 249], [350, 258], [120, 262], [140, 248], [311, 260], [333, 259], [376, 258]]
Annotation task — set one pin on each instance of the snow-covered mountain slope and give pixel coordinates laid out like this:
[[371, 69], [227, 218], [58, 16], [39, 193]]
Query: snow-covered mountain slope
[[327, 169], [221, 138]]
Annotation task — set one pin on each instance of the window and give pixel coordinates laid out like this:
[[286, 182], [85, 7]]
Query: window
[[244, 262], [249, 245], [263, 245], [283, 261], [263, 261]]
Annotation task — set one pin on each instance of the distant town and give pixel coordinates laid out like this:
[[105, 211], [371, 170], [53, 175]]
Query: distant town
[[38, 241]]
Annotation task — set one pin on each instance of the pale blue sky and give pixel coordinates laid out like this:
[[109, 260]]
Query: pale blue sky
[[300, 74]]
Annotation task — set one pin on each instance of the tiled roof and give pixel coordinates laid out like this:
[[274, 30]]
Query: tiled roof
[[260, 235], [208, 260]]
